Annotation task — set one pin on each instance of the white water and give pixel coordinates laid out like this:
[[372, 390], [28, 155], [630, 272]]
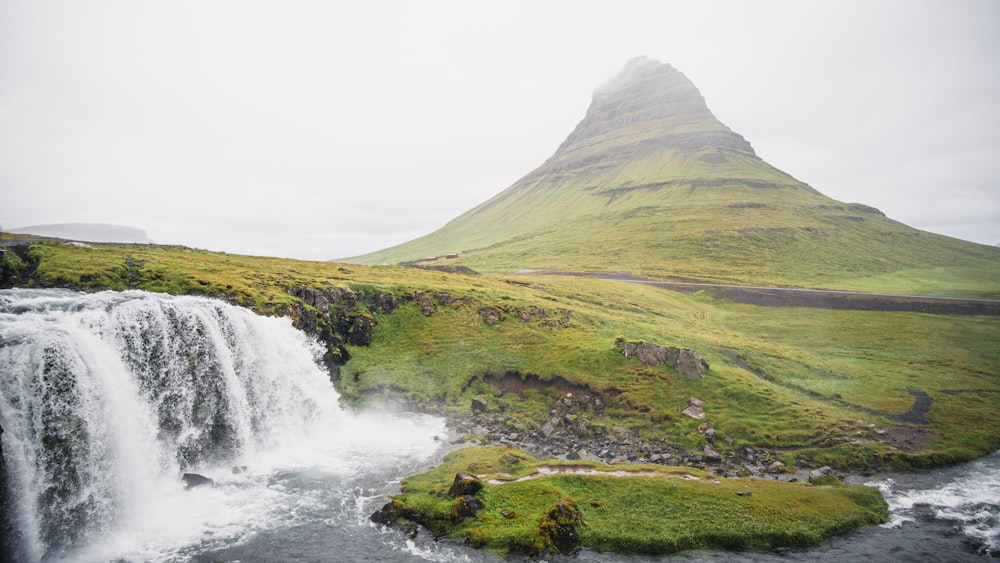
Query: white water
[[106, 399], [967, 496]]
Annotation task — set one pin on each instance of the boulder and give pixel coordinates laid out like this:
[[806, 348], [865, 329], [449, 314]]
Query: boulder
[[465, 484], [192, 480], [654, 355], [690, 364], [465, 507], [478, 405], [685, 361]]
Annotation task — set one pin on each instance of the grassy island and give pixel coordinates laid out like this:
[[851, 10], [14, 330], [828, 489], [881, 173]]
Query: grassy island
[[529, 506]]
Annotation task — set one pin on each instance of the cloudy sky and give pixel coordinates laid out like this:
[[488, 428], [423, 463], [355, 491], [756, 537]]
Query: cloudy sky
[[312, 130]]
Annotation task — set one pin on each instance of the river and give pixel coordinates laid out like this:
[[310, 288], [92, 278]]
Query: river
[[107, 399]]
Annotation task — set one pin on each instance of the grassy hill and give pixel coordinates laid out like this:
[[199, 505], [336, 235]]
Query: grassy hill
[[824, 386], [651, 183]]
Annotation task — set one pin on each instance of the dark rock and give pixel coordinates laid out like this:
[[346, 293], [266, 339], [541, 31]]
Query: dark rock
[[478, 405], [507, 514], [192, 480], [465, 484], [491, 316], [388, 514], [410, 530], [510, 459], [711, 455], [465, 507]]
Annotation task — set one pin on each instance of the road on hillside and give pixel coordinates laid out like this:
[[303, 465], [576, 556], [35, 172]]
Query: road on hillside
[[813, 298]]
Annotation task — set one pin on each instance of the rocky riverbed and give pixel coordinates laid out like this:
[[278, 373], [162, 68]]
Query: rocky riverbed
[[567, 434]]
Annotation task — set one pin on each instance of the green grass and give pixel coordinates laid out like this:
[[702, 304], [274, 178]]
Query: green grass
[[818, 384], [647, 509]]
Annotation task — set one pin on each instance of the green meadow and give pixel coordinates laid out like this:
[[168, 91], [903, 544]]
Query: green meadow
[[821, 385], [650, 509]]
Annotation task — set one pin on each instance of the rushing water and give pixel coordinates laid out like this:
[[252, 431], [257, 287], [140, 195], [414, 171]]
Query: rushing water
[[107, 399]]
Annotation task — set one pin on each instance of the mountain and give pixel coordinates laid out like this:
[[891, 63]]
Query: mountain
[[89, 232], [650, 182]]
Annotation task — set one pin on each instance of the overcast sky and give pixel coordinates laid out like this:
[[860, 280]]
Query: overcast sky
[[317, 130]]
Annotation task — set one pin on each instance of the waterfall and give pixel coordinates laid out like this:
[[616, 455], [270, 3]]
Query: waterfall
[[107, 398]]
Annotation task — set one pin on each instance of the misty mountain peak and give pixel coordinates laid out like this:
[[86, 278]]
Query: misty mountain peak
[[655, 107]]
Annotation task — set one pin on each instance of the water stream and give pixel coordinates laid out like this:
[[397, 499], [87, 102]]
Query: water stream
[[107, 399]]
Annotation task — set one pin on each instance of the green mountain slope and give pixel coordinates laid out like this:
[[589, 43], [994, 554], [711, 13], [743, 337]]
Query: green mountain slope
[[650, 182]]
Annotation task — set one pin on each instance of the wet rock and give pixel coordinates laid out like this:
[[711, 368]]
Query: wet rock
[[192, 480], [388, 514]]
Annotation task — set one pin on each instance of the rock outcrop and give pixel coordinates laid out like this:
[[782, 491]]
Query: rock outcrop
[[685, 361], [339, 316], [465, 484]]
